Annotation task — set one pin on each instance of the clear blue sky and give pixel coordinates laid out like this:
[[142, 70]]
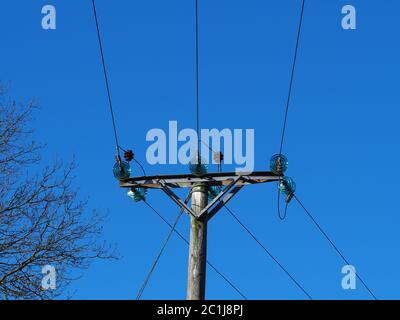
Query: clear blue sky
[[341, 141]]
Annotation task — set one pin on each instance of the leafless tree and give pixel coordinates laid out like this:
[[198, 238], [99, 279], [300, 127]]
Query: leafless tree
[[42, 220]]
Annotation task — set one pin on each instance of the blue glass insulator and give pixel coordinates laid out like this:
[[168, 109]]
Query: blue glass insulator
[[121, 170], [213, 192], [197, 168], [137, 194], [278, 164], [287, 186]]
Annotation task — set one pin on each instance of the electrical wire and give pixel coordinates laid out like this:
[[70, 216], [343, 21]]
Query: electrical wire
[[143, 287], [146, 280], [219, 165], [282, 217], [198, 129], [141, 167], [137, 162], [268, 252], [207, 145], [280, 152], [288, 102], [118, 147], [292, 77], [106, 77], [332, 243], [197, 75], [187, 242]]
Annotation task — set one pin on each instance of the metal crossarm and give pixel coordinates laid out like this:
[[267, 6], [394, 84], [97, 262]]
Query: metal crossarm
[[223, 202], [176, 199], [218, 197], [189, 180], [231, 182]]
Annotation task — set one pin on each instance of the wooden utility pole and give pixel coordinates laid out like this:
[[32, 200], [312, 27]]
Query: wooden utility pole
[[196, 286], [201, 210]]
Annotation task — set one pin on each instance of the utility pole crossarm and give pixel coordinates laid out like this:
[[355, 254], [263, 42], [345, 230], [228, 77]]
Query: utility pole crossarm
[[177, 200], [231, 181], [218, 197], [223, 202], [189, 180], [226, 184]]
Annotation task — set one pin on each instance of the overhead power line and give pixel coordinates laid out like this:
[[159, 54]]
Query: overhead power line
[[140, 165], [146, 280], [292, 77], [281, 147], [110, 104], [106, 77], [283, 217], [332, 243], [187, 242], [268, 252], [197, 75], [173, 227]]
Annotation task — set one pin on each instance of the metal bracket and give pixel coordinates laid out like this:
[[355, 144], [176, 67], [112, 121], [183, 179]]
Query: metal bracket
[[219, 196], [188, 180], [176, 199], [231, 181], [224, 201], [215, 208]]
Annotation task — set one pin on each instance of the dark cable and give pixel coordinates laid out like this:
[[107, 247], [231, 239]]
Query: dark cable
[[288, 102], [333, 245], [146, 280], [207, 145], [106, 77], [292, 77], [282, 217], [197, 84], [268, 252], [141, 167], [137, 161], [187, 242]]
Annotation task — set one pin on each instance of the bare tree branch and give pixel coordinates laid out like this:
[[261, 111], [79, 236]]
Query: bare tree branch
[[42, 220]]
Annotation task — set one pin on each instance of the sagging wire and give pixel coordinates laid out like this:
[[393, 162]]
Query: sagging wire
[[281, 217], [140, 165], [129, 156], [281, 182], [121, 168]]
